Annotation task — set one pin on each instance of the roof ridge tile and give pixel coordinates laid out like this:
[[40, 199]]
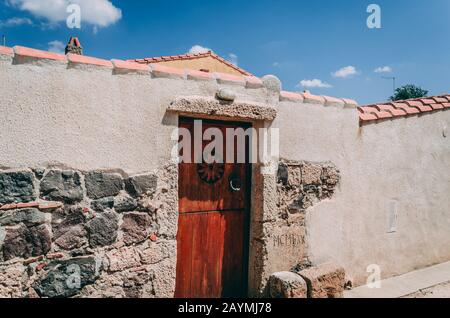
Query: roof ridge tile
[[409, 107], [83, 59], [38, 54], [6, 50]]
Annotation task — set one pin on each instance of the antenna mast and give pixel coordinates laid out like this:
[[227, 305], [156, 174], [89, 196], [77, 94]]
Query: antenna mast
[[394, 80]]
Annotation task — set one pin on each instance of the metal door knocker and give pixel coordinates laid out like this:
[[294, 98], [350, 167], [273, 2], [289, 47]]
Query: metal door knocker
[[210, 173], [235, 183]]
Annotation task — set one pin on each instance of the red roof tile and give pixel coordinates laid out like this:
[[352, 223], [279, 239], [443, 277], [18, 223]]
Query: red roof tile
[[151, 60], [400, 109], [418, 104]]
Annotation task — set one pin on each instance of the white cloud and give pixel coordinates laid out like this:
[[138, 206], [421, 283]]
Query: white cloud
[[197, 49], [314, 83], [100, 13], [383, 69], [345, 72], [56, 47], [233, 58], [276, 64], [13, 22]]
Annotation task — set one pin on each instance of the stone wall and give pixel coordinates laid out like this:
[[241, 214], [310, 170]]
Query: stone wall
[[283, 236], [70, 233]]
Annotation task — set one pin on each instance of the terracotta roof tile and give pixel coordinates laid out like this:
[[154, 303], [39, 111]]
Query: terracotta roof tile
[[367, 117], [333, 101], [409, 110], [418, 104], [225, 78], [82, 59], [436, 106], [440, 99], [38, 54], [291, 96], [199, 75], [6, 50], [391, 109], [314, 99], [404, 108], [428, 101]]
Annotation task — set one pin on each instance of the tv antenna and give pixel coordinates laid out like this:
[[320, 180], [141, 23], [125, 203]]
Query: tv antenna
[[393, 79], [3, 40]]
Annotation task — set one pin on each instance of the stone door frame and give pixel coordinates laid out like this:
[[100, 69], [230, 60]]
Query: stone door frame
[[263, 179]]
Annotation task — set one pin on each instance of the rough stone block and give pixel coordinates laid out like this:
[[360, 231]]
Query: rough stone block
[[125, 203], [330, 176], [287, 285], [124, 258], [66, 278], [16, 187], [27, 216], [311, 174], [101, 185], [102, 205], [12, 280], [141, 184], [69, 230], [103, 230], [135, 227], [158, 252], [25, 242], [63, 186], [324, 281]]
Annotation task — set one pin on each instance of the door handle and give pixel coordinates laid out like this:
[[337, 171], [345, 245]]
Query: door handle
[[235, 184]]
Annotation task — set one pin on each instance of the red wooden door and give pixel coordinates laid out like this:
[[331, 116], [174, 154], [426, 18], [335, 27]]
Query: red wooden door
[[213, 224]]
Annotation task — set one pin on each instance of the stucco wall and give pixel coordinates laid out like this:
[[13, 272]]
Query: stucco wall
[[87, 118], [400, 164]]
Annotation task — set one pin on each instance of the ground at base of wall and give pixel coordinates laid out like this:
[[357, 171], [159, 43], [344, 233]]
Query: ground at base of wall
[[438, 291], [430, 282]]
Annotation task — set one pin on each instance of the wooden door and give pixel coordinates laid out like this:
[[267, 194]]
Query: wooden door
[[213, 224]]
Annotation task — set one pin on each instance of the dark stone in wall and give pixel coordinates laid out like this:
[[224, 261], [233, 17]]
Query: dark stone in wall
[[102, 205], [69, 231], [27, 216], [139, 185], [101, 185], [103, 230], [39, 172], [67, 278], [133, 285], [26, 242], [63, 186], [135, 227], [125, 203], [16, 187], [283, 174]]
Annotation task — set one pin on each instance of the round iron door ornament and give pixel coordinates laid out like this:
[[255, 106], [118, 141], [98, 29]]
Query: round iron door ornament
[[211, 173], [235, 183]]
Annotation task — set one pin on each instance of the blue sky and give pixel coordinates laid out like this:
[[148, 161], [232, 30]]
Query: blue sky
[[314, 43]]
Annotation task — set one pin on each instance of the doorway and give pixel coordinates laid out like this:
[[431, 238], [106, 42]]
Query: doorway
[[214, 216]]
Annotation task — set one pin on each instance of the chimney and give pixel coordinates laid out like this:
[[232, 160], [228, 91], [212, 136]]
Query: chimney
[[74, 46]]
